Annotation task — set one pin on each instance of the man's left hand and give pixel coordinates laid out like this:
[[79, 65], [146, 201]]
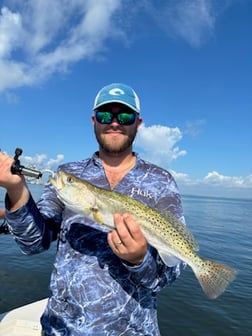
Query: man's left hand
[[127, 240]]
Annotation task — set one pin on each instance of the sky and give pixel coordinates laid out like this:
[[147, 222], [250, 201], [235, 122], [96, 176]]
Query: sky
[[188, 60]]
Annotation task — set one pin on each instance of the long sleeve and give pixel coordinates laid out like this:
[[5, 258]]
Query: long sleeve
[[32, 230]]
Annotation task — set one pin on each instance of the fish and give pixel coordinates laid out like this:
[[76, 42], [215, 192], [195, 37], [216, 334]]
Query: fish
[[162, 230]]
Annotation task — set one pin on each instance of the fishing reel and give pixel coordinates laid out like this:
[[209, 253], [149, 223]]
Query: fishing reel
[[18, 169]]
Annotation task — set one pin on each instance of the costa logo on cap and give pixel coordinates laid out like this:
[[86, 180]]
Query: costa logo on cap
[[116, 92]]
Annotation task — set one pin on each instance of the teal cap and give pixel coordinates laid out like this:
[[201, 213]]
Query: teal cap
[[117, 93]]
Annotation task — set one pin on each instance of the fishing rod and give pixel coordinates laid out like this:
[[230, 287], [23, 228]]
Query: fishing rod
[[19, 169]]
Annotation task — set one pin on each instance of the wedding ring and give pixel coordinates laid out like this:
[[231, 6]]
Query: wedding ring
[[118, 243]]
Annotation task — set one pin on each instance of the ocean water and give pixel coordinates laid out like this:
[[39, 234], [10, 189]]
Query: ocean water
[[223, 228]]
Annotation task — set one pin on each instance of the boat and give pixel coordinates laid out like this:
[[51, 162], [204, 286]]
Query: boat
[[23, 321]]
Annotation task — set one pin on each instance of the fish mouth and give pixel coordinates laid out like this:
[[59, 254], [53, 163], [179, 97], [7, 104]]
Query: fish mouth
[[57, 180]]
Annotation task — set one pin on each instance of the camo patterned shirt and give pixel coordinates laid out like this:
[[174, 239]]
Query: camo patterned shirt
[[92, 291]]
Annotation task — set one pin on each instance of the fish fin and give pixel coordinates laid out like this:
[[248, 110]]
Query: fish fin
[[181, 228], [97, 216], [214, 277], [169, 259]]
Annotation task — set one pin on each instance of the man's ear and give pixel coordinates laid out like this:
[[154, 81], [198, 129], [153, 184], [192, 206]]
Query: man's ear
[[139, 121]]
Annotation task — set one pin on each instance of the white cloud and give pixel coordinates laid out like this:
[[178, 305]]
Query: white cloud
[[216, 185], [191, 20], [41, 161], [214, 179], [10, 26], [55, 162], [230, 181], [158, 144], [43, 37]]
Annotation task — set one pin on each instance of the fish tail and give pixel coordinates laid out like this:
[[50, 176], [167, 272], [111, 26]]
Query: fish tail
[[214, 277]]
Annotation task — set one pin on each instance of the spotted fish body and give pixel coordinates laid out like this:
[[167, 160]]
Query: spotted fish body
[[173, 241]]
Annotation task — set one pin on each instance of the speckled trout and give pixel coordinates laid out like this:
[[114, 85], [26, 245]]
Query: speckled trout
[[173, 241]]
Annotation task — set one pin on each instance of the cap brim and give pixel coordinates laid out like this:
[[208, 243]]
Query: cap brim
[[116, 101]]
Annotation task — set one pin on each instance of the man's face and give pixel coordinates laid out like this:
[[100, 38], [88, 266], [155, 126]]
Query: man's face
[[114, 138]]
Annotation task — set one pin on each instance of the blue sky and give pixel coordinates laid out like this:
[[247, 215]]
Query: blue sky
[[189, 62]]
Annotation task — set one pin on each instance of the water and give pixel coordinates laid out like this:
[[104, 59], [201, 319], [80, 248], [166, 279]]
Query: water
[[223, 227]]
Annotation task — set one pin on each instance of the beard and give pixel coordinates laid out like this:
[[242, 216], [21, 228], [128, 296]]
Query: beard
[[115, 146]]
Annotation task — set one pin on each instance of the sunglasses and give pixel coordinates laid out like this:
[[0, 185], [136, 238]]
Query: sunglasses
[[123, 118]]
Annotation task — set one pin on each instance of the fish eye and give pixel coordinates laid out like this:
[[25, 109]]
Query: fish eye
[[69, 179]]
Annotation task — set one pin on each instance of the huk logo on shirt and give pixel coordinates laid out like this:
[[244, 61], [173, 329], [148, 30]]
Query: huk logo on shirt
[[144, 193]]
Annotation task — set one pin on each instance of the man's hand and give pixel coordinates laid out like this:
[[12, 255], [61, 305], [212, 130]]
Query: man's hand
[[127, 240], [14, 184]]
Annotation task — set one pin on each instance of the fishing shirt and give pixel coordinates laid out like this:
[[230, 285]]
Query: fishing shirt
[[92, 291]]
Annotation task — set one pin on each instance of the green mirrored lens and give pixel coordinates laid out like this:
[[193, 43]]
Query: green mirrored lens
[[104, 117], [123, 118], [126, 118]]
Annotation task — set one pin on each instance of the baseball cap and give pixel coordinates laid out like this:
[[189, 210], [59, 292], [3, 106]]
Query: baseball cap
[[117, 93]]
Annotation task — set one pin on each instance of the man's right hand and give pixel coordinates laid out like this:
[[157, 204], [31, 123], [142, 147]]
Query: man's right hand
[[15, 185]]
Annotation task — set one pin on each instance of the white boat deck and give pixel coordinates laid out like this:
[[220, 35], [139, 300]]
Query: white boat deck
[[23, 321]]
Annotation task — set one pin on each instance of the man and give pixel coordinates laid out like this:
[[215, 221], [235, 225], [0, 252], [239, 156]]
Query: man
[[102, 283]]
